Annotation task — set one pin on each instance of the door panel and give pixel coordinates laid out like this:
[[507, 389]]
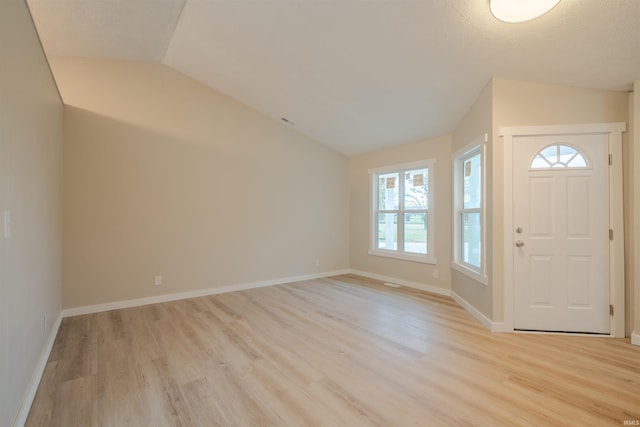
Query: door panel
[[541, 281], [579, 281], [541, 207], [561, 258], [577, 205]]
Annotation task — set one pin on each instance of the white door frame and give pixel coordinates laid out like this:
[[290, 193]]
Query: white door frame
[[616, 218]]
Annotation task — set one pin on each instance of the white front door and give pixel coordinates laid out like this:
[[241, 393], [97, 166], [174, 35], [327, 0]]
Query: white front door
[[561, 233]]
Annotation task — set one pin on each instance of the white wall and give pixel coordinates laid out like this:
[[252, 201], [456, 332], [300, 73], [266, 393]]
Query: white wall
[[166, 176], [30, 162]]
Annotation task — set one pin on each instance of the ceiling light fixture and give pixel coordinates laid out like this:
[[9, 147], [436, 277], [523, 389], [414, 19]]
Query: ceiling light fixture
[[515, 11]]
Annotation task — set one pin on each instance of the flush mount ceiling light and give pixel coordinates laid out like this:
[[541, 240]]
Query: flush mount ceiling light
[[515, 11]]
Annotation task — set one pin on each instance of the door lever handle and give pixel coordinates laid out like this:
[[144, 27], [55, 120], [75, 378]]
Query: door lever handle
[[519, 243]]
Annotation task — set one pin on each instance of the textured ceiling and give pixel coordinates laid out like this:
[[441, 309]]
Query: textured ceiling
[[355, 75], [122, 29]]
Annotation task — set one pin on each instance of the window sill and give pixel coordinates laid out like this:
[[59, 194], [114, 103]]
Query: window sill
[[425, 259], [470, 273]]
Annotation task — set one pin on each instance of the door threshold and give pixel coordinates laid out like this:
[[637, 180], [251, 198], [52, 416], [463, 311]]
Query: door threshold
[[570, 333]]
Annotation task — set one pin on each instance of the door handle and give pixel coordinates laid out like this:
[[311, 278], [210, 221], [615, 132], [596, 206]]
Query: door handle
[[519, 243]]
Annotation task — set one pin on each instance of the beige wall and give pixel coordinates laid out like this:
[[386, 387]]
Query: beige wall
[[501, 103], [629, 152], [634, 293], [477, 122], [30, 161], [438, 149], [165, 176], [518, 103], [524, 104]]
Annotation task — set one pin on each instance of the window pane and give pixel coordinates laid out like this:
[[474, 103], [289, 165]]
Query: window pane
[[472, 182], [550, 153], [566, 153], [558, 156], [415, 233], [540, 162], [470, 238], [416, 185], [388, 191], [388, 231], [577, 162]]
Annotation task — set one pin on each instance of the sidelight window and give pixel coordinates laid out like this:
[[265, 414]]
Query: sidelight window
[[468, 211]]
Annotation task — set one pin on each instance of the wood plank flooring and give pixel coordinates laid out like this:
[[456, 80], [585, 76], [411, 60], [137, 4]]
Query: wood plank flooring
[[343, 351]]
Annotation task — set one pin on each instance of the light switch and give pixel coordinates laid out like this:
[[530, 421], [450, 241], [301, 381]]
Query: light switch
[[6, 234]]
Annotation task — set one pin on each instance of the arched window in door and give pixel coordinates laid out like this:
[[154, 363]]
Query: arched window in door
[[559, 156]]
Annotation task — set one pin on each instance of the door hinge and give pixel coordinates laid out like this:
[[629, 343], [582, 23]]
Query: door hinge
[[610, 234], [610, 309], [610, 159]]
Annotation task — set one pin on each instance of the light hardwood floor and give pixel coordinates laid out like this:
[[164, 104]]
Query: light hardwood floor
[[344, 351]]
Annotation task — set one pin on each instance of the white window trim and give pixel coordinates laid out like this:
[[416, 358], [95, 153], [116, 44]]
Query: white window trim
[[429, 258], [478, 274]]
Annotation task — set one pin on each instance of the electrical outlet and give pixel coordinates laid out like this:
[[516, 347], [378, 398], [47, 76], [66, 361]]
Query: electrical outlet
[[317, 262], [436, 273], [44, 326], [157, 280]]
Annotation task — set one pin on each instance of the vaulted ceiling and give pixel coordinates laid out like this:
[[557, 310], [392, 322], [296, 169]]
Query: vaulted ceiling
[[356, 75]]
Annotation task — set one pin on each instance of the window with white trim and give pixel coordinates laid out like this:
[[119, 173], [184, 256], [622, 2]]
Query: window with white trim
[[468, 211], [401, 219]]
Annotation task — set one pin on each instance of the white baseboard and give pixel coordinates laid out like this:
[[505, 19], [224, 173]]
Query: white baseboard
[[76, 311], [486, 322], [481, 317], [407, 283], [38, 371], [635, 338], [499, 327]]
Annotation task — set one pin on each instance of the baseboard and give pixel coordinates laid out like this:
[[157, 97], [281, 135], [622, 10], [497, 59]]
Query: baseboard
[[635, 338], [38, 371], [486, 322], [407, 283], [77, 311], [499, 327]]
